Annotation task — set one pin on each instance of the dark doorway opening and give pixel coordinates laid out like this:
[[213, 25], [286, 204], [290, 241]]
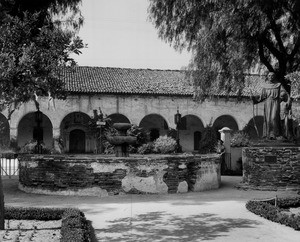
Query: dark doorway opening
[[154, 134], [197, 139], [77, 141], [38, 134]]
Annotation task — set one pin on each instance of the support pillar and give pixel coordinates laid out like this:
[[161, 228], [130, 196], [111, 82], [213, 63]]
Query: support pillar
[[225, 137]]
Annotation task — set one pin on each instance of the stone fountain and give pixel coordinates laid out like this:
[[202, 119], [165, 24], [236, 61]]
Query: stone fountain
[[121, 141], [100, 175]]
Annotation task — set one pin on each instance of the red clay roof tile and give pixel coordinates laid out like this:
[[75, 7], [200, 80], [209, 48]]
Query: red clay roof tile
[[83, 79]]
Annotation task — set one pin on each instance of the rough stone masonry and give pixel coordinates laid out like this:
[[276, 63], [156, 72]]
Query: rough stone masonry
[[272, 168], [92, 175]]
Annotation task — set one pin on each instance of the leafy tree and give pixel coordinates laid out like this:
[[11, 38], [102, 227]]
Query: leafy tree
[[34, 43], [228, 38], [46, 9]]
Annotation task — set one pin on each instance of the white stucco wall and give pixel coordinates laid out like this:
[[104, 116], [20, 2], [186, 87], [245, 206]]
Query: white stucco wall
[[136, 107]]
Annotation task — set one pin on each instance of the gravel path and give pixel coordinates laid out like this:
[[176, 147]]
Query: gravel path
[[218, 215]]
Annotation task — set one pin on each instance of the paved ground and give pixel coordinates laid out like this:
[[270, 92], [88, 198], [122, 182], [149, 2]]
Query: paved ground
[[218, 215]]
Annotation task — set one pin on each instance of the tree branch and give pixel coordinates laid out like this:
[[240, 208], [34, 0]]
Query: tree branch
[[295, 50], [263, 58], [281, 57], [276, 31], [271, 47]]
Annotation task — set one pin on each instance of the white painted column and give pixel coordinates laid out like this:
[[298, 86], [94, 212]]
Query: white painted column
[[225, 137], [56, 133]]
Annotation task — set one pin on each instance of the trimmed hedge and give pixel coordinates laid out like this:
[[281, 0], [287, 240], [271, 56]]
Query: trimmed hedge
[[267, 209], [33, 213], [75, 227], [288, 202]]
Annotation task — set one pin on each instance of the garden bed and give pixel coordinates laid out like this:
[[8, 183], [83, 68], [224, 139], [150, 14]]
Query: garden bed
[[282, 210], [45, 224]]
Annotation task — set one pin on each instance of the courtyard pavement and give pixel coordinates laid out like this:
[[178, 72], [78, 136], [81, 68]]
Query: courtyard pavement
[[217, 215]]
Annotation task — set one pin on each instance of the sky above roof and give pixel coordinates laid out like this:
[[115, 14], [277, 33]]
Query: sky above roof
[[119, 34]]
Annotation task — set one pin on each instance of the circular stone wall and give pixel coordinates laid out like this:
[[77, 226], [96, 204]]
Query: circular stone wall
[[94, 175]]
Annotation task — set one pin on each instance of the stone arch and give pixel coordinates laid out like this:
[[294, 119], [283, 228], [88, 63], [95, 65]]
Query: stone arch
[[225, 121], [4, 132], [250, 127], [77, 123], [155, 124], [28, 130], [118, 118], [190, 130]]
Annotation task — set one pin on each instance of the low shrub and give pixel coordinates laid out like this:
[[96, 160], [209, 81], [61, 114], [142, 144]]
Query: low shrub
[[75, 227], [268, 210], [108, 148], [172, 133], [31, 146], [142, 135], [164, 145], [240, 139], [146, 148]]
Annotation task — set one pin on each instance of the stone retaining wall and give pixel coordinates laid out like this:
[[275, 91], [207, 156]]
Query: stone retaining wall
[[92, 175], [271, 168]]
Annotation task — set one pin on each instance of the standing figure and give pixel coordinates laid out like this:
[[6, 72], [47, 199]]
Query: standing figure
[[271, 96], [286, 116]]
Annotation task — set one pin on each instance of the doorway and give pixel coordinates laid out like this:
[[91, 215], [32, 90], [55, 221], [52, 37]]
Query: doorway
[[77, 141], [197, 139]]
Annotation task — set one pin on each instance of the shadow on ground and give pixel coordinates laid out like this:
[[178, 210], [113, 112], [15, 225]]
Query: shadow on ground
[[163, 227]]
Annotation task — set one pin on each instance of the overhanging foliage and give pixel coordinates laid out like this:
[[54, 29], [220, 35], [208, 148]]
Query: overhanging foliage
[[229, 39]]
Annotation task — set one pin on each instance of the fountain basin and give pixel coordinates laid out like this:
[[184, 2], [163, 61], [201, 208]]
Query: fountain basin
[[122, 126], [120, 140], [99, 175]]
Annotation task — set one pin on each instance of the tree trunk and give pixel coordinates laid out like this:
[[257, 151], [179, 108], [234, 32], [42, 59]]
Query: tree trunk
[[1, 205]]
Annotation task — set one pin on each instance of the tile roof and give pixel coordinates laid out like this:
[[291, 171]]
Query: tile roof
[[83, 79]]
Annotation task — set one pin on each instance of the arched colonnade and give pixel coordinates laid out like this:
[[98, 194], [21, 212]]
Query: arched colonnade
[[78, 137]]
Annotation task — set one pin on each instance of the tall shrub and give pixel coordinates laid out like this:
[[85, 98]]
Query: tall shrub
[[208, 141]]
